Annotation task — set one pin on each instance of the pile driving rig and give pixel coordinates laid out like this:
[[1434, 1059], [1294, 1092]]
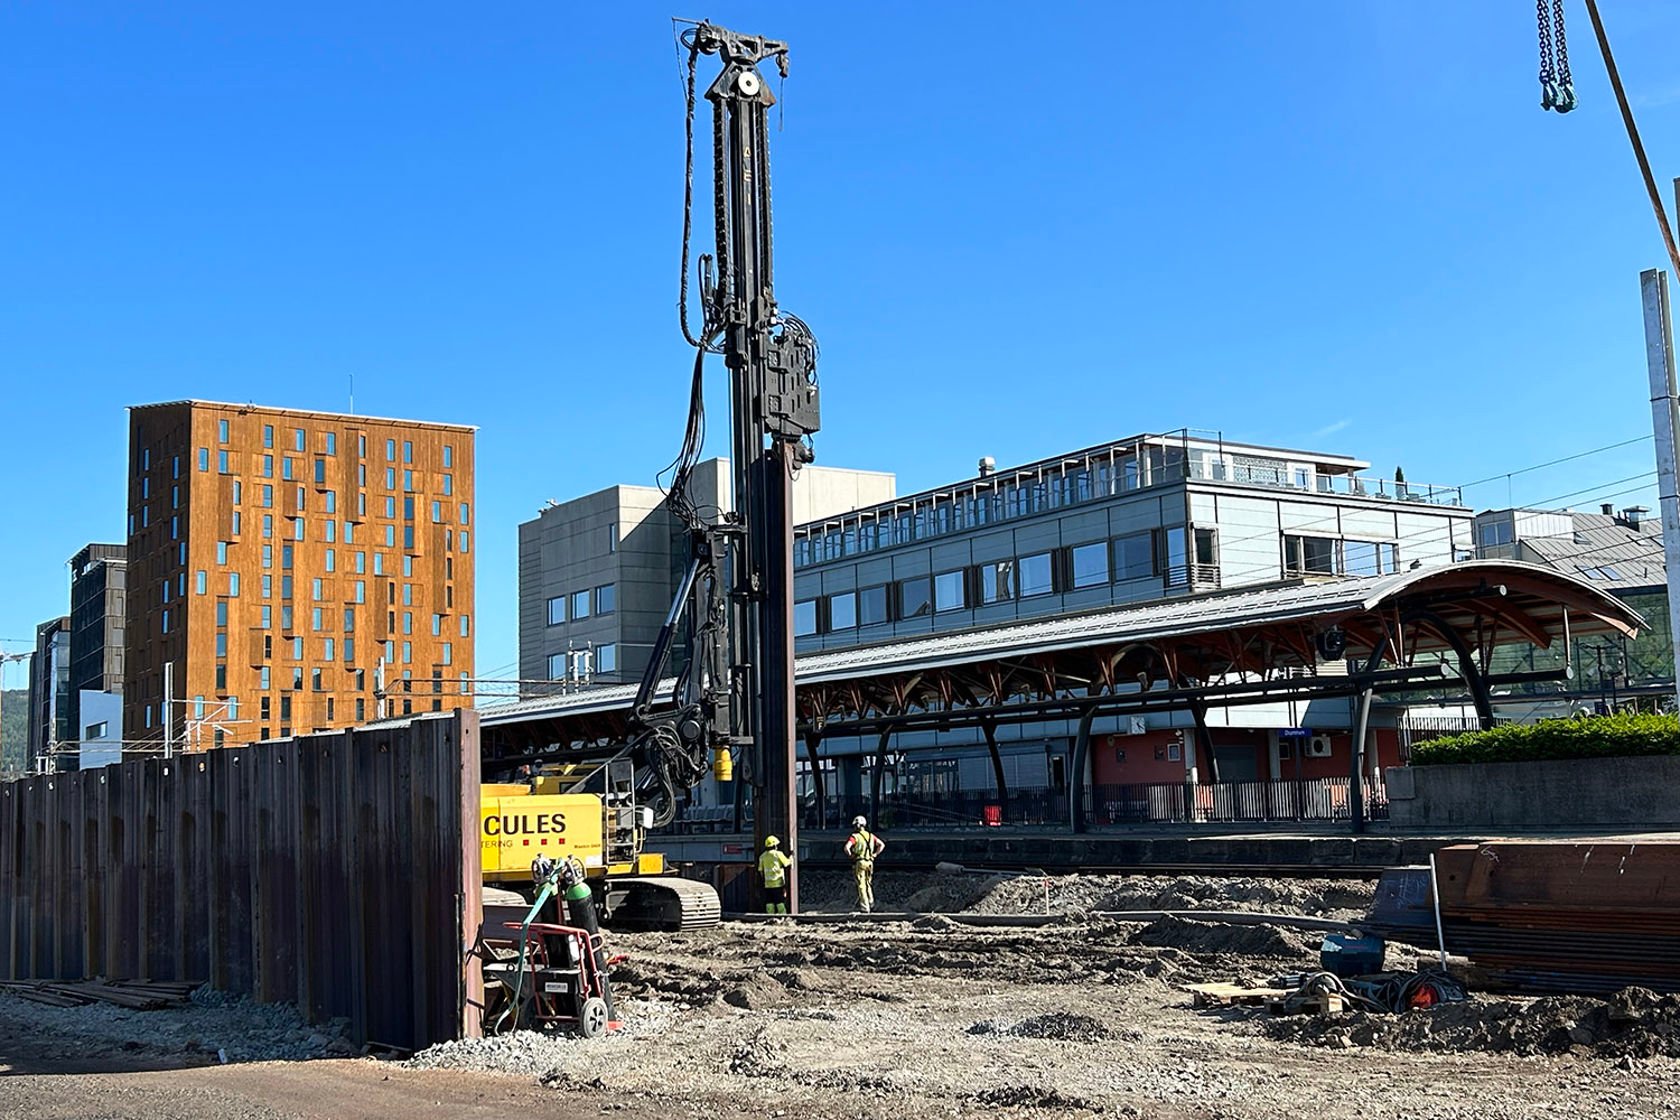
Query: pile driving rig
[[717, 694]]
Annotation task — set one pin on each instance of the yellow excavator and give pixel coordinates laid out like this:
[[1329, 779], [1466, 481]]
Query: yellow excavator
[[590, 815]]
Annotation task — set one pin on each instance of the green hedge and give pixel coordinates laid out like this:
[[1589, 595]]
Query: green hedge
[[1616, 736]]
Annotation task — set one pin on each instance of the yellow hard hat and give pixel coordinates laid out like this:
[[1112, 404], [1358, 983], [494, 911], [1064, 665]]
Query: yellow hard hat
[[771, 841]]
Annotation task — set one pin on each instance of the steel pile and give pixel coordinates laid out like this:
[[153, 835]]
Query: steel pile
[[1574, 917]]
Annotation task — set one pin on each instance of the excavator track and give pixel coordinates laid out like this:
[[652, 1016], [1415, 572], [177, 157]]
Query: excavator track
[[664, 902]]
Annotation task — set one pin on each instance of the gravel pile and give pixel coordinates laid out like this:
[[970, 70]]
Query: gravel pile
[[541, 1053], [1059, 1026], [214, 1024], [1633, 1023], [527, 1053], [1316, 897], [951, 893]]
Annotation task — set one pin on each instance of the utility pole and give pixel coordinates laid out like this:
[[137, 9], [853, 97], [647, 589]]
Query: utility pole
[[169, 709], [1665, 418]]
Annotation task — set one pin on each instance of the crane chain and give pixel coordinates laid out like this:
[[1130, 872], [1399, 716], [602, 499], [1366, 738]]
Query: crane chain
[[1557, 86], [1566, 82]]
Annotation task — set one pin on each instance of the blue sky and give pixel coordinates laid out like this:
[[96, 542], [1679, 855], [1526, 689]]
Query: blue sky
[[1341, 225]]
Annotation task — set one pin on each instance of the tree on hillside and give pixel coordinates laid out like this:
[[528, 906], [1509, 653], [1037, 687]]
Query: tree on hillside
[[14, 728]]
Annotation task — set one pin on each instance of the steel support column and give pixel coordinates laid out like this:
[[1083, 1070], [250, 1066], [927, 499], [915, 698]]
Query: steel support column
[[1475, 677], [813, 740], [875, 782], [1361, 731], [989, 726], [1077, 765], [1204, 741]]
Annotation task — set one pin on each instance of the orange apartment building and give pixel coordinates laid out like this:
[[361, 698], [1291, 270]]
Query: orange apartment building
[[293, 568]]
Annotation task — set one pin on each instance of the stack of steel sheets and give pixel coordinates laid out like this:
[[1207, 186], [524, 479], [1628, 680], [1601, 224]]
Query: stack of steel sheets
[[1548, 916]]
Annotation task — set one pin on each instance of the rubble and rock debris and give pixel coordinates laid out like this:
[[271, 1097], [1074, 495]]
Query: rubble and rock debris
[[1059, 1026], [208, 1026], [1633, 1023], [1031, 1097]]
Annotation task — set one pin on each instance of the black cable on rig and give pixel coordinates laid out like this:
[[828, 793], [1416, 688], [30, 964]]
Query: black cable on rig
[[693, 44]]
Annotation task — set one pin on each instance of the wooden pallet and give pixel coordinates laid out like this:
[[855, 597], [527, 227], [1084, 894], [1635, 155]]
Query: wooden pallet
[[1233, 995], [1328, 1003]]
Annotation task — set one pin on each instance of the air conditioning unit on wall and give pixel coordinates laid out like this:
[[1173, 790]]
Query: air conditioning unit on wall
[[1318, 747]]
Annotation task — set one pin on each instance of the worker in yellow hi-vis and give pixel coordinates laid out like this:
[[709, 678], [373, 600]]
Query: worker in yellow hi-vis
[[863, 846], [773, 865]]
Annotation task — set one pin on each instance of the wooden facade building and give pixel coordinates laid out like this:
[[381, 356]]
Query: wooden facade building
[[300, 571]]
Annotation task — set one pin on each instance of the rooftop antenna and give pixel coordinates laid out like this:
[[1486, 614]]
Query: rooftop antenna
[[352, 394]]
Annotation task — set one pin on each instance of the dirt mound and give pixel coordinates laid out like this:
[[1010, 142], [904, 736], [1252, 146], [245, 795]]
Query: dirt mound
[[1210, 937], [924, 892], [1633, 1023]]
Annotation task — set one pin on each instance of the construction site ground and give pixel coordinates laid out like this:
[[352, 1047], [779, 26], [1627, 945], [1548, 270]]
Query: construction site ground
[[910, 1019]]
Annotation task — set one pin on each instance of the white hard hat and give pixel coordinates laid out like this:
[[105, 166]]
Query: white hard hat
[[858, 822]]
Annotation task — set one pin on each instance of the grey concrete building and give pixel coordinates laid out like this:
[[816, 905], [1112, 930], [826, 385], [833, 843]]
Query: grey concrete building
[[49, 696], [98, 593], [1621, 551], [1146, 518], [1143, 518], [597, 573]]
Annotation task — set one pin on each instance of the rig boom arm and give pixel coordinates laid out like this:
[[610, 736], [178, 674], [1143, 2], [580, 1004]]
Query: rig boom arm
[[735, 693]]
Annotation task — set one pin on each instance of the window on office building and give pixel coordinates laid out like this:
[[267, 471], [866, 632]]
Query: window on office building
[[557, 610], [997, 581], [606, 658], [1088, 564], [580, 604], [1309, 555], [805, 617], [915, 596], [606, 599], [1134, 556], [842, 611], [872, 606], [1035, 574], [949, 593], [556, 666]]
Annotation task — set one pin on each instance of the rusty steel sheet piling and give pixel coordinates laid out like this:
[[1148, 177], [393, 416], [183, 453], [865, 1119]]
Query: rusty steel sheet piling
[[337, 871], [1548, 916]]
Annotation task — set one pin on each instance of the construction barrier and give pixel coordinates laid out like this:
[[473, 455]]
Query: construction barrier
[[337, 871]]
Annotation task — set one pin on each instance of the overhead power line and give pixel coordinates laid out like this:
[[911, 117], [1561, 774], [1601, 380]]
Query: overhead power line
[[1554, 462]]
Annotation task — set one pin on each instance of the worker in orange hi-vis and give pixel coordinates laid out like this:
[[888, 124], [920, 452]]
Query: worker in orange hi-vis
[[863, 846]]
